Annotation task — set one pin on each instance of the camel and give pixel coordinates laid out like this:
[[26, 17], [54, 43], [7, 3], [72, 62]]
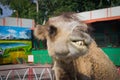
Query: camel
[[75, 53]]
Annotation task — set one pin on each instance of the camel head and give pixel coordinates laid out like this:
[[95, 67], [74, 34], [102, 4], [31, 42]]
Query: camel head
[[67, 36]]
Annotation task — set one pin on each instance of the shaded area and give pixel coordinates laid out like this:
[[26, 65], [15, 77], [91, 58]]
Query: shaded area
[[107, 33], [107, 36]]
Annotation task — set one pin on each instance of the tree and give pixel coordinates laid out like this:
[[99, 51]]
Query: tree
[[1, 11], [47, 8]]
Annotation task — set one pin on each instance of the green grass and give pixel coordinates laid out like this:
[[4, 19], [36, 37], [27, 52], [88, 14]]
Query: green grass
[[10, 54]]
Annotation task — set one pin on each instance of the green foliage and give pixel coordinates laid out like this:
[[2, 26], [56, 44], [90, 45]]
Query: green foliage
[[47, 8], [23, 8], [4, 56], [25, 49], [6, 53]]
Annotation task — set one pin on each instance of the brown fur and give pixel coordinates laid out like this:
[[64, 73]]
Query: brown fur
[[97, 65], [74, 60]]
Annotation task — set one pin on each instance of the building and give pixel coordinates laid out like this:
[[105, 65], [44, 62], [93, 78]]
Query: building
[[106, 30]]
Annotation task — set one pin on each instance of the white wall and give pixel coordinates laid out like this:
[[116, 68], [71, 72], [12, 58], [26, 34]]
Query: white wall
[[19, 22], [100, 13]]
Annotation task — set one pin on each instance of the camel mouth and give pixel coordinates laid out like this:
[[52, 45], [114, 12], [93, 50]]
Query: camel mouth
[[79, 44]]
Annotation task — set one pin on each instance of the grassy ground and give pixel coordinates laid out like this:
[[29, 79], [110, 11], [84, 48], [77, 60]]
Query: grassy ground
[[16, 52]]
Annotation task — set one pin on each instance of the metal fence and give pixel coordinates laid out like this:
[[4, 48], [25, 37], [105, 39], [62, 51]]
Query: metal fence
[[27, 72]]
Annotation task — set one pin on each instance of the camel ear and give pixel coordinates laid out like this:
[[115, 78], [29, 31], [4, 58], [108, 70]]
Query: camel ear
[[39, 32]]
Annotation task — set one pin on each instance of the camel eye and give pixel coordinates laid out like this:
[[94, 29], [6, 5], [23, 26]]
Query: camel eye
[[52, 30]]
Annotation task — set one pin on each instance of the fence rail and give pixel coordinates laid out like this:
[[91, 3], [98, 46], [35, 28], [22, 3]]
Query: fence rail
[[26, 72]]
